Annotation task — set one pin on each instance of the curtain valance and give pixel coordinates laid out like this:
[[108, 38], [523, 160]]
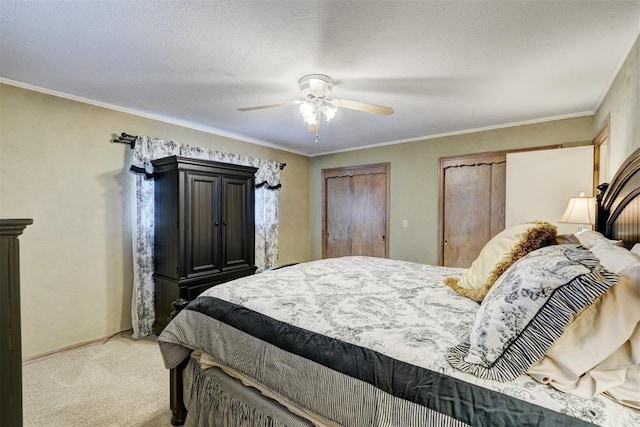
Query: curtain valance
[[148, 148]]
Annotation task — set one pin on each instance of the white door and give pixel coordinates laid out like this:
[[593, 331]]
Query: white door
[[539, 184]]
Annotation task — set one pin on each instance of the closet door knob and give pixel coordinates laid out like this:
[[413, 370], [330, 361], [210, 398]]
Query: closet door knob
[[217, 223], [224, 223]]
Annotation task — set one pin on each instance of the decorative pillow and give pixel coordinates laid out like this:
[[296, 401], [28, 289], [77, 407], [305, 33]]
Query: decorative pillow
[[614, 258], [588, 238], [563, 239], [592, 354], [527, 310], [498, 254]]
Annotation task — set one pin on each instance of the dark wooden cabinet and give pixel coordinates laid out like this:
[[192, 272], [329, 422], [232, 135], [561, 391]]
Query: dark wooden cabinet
[[10, 339], [204, 228]]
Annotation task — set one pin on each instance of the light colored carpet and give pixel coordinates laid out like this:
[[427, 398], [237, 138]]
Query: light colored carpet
[[122, 382]]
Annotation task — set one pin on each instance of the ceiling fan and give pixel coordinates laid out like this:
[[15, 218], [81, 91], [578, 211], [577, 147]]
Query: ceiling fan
[[317, 102]]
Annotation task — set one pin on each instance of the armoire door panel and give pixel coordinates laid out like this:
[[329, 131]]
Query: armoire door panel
[[203, 214], [235, 224], [167, 239], [339, 212]]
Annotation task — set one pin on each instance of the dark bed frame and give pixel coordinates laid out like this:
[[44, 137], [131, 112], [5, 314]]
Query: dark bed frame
[[617, 217], [618, 214]]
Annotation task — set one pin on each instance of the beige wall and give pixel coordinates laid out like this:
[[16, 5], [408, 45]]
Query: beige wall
[[622, 105], [58, 167], [414, 178]]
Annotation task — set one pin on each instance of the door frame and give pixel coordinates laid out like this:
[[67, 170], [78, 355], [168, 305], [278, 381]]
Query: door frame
[[351, 171], [601, 140], [469, 160]]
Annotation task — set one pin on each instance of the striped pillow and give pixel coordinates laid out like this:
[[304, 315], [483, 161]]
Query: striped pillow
[[527, 309]]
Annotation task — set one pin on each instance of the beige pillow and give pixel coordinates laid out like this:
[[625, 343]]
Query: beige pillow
[[614, 258], [498, 254], [588, 238], [599, 351]]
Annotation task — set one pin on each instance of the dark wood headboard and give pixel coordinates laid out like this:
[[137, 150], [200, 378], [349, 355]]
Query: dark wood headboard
[[618, 213]]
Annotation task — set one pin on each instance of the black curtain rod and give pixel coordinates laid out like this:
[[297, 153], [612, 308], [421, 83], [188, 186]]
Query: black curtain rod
[[131, 141], [126, 139]]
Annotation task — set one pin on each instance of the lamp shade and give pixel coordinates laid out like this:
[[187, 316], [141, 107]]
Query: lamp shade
[[580, 210]]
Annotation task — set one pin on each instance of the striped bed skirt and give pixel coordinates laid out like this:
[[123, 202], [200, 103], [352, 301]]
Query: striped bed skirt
[[214, 398]]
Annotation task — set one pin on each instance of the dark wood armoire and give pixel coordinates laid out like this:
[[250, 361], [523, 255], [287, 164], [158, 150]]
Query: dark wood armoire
[[204, 228]]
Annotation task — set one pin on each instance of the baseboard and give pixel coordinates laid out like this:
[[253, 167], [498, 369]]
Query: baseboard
[[101, 340]]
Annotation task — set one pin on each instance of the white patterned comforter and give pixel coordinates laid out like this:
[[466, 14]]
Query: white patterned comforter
[[400, 309]]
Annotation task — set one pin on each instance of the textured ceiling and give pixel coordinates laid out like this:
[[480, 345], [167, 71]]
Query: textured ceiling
[[444, 66]]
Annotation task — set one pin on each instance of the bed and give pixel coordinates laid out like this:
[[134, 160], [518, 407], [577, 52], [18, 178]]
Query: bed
[[364, 341]]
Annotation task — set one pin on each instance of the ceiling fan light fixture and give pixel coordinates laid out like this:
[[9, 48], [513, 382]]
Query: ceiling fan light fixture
[[328, 110], [316, 85], [313, 109], [308, 112]]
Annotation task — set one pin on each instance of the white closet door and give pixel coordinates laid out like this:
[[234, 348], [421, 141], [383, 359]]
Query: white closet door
[[539, 184]]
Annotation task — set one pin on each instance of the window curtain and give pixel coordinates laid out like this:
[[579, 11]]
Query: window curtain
[[267, 181]]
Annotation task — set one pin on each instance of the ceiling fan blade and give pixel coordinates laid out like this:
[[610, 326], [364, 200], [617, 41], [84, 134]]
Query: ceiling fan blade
[[363, 106], [261, 107]]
